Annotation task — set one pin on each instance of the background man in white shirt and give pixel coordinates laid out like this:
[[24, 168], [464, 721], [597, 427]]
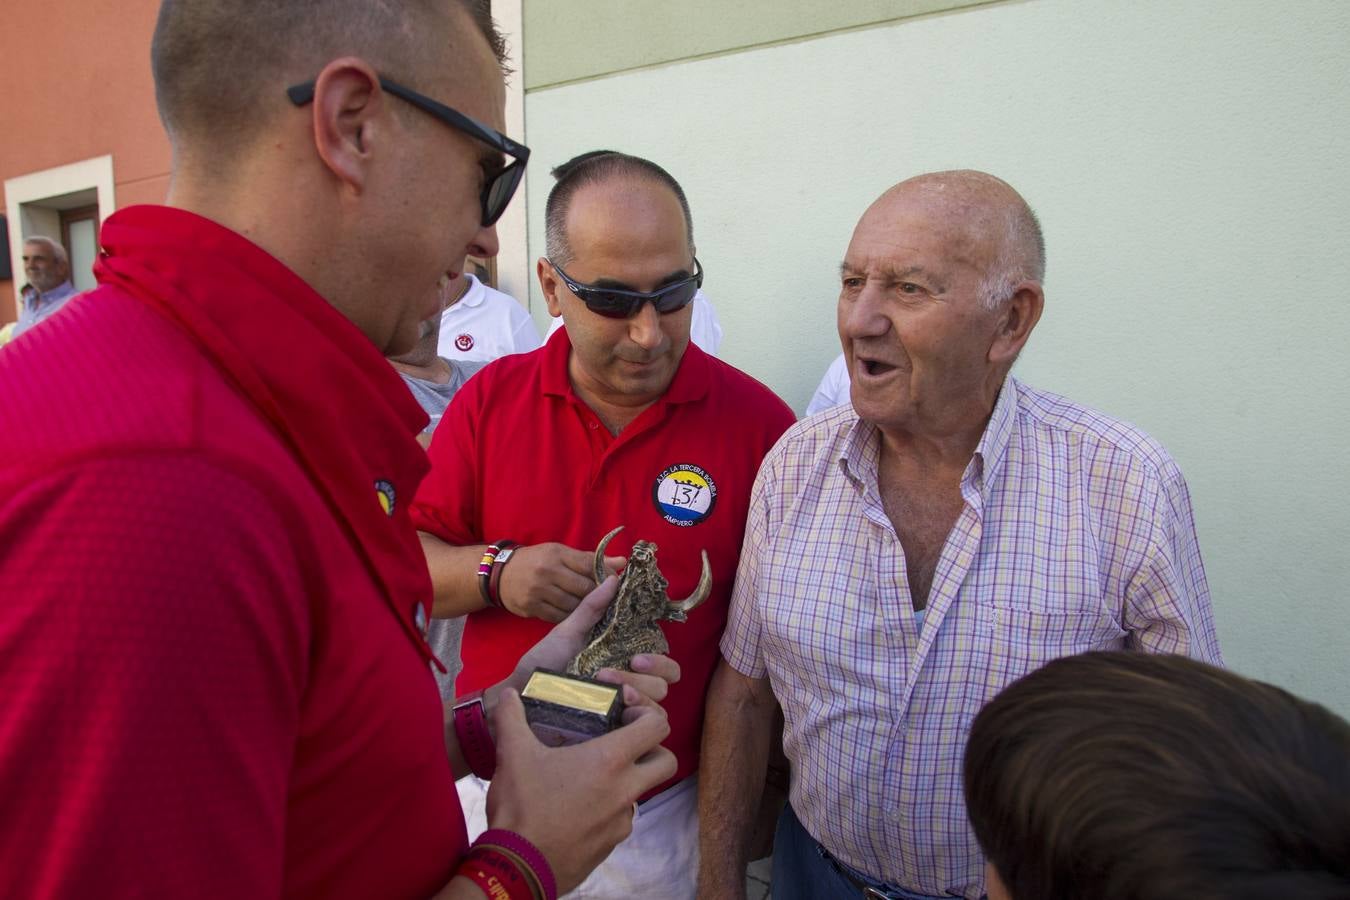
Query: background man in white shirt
[[484, 323]]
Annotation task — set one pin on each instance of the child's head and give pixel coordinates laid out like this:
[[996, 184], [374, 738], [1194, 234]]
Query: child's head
[[1126, 775]]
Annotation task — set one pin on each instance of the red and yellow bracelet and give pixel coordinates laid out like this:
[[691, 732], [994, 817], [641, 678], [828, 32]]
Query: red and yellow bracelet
[[506, 866], [496, 875]]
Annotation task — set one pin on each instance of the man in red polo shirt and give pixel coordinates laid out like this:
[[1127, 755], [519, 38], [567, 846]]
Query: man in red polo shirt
[[214, 679], [617, 420]]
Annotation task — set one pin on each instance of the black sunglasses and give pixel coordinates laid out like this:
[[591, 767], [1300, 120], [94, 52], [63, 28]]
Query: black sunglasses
[[501, 187], [614, 303]]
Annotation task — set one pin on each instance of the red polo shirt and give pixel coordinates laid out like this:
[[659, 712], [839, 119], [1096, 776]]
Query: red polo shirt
[[519, 456], [209, 687]]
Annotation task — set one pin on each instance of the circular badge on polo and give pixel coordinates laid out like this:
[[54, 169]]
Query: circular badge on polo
[[464, 343], [385, 492], [684, 494]]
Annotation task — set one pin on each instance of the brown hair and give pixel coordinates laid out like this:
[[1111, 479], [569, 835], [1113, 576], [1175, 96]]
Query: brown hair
[[1126, 776], [219, 65]]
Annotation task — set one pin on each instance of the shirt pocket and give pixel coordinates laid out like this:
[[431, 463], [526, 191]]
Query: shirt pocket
[[1014, 640]]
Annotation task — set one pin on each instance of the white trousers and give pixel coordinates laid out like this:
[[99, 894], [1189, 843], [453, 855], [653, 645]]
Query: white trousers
[[658, 861]]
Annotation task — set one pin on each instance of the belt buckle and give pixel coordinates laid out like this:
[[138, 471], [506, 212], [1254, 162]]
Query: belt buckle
[[871, 893]]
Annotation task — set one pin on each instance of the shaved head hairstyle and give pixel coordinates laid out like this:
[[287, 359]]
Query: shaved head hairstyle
[[1021, 256], [992, 212], [221, 67], [595, 167]]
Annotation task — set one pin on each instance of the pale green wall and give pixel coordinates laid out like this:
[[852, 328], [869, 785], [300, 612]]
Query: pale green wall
[[1190, 164], [566, 40]]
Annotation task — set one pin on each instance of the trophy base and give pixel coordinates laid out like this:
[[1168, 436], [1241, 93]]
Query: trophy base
[[565, 709]]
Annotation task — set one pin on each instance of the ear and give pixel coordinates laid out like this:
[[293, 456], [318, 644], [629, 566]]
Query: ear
[[550, 284], [993, 883], [1018, 316], [349, 109]]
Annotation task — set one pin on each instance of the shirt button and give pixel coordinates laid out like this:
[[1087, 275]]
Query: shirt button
[[594, 425], [420, 618]]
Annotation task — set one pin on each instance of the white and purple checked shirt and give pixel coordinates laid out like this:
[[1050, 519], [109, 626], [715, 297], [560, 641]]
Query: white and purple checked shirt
[[1076, 534]]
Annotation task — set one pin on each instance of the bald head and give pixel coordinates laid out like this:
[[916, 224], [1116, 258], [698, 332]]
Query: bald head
[[990, 217], [221, 66], [939, 292]]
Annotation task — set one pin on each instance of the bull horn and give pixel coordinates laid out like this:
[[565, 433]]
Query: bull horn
[[688, 604], [600, 555]]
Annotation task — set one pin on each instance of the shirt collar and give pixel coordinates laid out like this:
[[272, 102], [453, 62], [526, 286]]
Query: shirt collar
[[859, 451], [690, 383], [56, 294], [993, 445], [268, 333], [860, 448], [473, 295], [553, 374]]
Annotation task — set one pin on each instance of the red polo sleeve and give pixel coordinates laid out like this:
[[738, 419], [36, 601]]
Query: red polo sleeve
[[153, 646]]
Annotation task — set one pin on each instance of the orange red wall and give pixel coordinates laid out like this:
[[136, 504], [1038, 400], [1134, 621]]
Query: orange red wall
[[78, 87]]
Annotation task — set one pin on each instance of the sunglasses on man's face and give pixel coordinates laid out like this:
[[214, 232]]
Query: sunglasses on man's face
[[616, 303], [500, 186]]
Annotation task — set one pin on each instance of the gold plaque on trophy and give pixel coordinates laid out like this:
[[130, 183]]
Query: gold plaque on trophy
[[563, 709]]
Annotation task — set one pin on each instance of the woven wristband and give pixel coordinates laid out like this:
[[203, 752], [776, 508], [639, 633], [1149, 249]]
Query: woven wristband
[[497, 875], [529, 854]]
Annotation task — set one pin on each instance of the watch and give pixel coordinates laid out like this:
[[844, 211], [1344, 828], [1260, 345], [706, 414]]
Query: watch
[[475, 740]]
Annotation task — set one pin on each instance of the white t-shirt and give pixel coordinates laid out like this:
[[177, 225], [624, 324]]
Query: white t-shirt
[[485, 324], [834, 388], [704, 329]]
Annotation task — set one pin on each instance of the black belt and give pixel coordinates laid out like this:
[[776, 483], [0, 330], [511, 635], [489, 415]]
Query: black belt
[[868, 892], [864, 890]]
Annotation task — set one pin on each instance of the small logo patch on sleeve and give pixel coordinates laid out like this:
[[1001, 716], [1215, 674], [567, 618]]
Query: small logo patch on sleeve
[[684, 495], [385, 492]]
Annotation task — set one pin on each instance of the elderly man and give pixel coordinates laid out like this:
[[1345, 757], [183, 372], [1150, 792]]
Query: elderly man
[[617, 420], [908, 556], [212, 652], [48, 269]]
